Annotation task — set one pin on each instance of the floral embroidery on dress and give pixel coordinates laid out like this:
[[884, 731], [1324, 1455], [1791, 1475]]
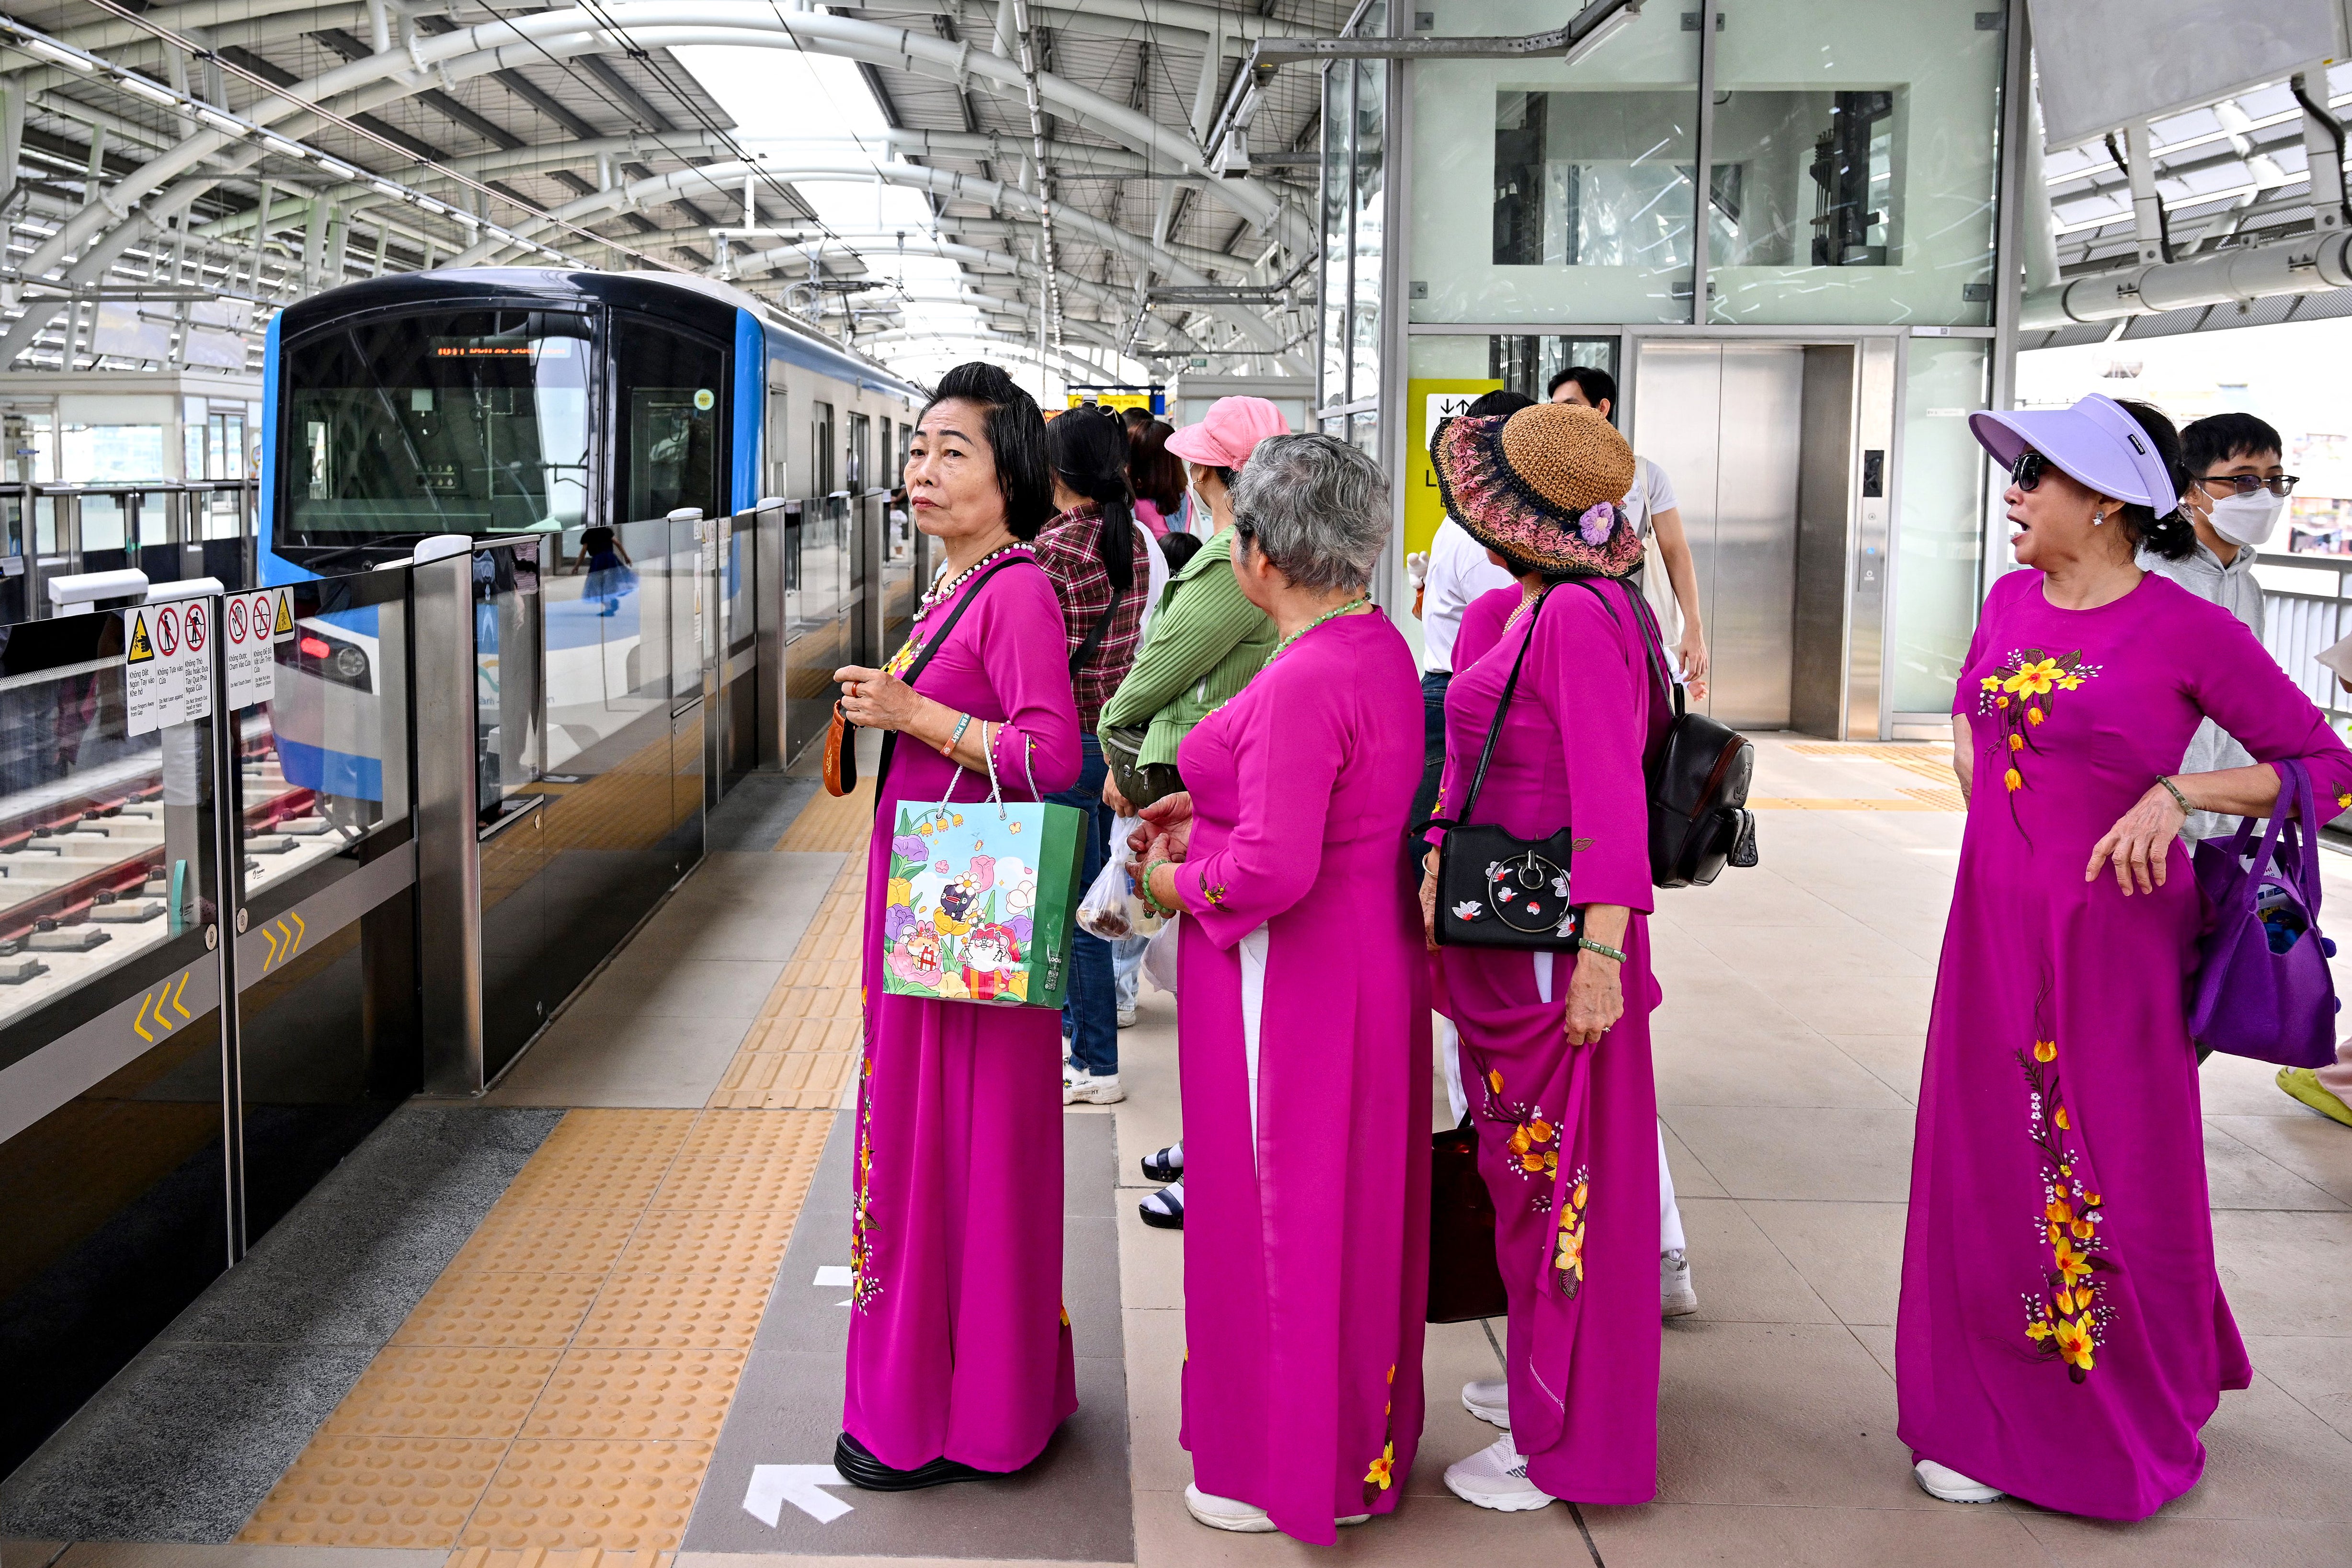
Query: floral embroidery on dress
[[1214, 893], [2067, 1318], [896, 664], [1532, 1146], [1381, 1475], [1568, 1260], [2016, 694], [864, 1286]]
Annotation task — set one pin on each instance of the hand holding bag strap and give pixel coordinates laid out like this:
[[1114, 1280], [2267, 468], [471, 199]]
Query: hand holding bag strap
[[923, 657], [2252, 884], [1502, 707]]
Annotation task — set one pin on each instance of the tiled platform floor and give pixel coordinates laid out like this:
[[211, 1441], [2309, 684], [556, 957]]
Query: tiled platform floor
[[1788, 1054]]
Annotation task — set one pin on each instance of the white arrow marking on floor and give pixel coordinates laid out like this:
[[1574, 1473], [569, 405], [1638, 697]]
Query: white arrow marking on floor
[[833, 1274], [772, 1486]]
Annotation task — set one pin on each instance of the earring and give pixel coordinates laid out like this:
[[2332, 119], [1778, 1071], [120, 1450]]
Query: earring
[[2097, 518]]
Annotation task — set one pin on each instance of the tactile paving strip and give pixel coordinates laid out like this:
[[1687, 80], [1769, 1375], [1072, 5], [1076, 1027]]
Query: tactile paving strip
[[553, 1400], [827, 824]]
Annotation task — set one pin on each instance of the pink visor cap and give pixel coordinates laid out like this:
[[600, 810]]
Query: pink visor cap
[[1228, 432], [2096, 442]]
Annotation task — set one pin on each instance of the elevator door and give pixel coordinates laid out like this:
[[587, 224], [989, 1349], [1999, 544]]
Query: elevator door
[[1724, 421]]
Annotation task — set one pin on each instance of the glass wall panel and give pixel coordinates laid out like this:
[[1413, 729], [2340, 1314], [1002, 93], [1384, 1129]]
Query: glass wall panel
[[1940, 528], [1364, 284], [1527, 364], [1579, 177], [1854, 163], [1338, 127]]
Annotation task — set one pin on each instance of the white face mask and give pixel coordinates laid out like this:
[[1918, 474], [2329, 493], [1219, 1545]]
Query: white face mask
[[2248, 520]]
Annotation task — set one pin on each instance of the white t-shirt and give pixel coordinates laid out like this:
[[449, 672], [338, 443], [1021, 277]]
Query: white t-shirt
[[1653, 493], [1459, 571]]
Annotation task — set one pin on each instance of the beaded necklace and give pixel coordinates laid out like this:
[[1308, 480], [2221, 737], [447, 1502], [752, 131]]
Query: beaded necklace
[[940, 592], [1348, 608]]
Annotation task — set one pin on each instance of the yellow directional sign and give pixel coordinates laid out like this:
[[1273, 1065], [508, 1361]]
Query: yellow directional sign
[[141, 649], [151, 1006], [284, 943]]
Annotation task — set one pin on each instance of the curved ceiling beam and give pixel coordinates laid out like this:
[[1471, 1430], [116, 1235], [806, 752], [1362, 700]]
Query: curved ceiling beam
[[727, 177], [475, 50], [1060, 360]]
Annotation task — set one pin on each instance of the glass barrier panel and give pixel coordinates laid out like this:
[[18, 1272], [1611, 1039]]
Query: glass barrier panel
[[105, 520], [1581, 172], [105, 809], [737, 588], [506, 632], [1939, 533], [328, 1031], [683, 569]]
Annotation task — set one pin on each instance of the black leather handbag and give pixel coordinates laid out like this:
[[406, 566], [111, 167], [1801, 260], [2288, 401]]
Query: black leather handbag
[[1495, 889], [1696, 777]]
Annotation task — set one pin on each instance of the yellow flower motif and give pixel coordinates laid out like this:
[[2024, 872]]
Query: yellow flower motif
[[2343, 801], [2072, 1265], [2001, 702], [2035, 715], [1493, 1080], [1540, 1130], [1576, 1199], [2045, 1050], [2082, 1229], [2075, 1340], [2013, 779], [1991, 682], [2017, 742], [2065, 1299], [2068, 681], [1570, 1259], [1383, 1470], [2037, 1331], [2061, 1118], [2036, 679], [900, 892], [2060, 1212]]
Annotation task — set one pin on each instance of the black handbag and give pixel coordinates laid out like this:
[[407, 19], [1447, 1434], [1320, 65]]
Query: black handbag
[[1495, 889], [1697, 779]]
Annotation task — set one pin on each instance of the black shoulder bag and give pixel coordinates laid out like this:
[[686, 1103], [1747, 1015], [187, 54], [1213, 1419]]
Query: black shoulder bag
[[1493, 888], [1697, 779], [841, 742]]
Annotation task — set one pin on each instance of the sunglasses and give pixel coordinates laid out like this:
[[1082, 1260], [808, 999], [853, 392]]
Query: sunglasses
[[2027, 471], [2247, 484]]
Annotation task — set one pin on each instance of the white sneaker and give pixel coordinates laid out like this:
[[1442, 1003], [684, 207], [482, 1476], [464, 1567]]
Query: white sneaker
[[1126, 1017], [1495, 1477], [1490, 1401], [1675, 1297], [1947, 1484], [1080, 1087], [1226, 1512]]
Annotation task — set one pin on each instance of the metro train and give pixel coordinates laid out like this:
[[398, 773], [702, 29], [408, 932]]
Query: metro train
[[555, 404]]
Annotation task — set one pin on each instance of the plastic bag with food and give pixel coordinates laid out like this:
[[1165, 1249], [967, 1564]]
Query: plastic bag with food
[[1112, 909]]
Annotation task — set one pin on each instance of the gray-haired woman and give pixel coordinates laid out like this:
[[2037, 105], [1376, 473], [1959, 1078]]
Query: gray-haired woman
[[1303, 1013]]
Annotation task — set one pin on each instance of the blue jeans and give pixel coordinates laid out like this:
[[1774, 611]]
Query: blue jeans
[[1090, 1011]]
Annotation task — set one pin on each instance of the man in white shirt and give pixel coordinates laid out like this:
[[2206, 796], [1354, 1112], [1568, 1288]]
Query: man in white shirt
[[1669, 579]]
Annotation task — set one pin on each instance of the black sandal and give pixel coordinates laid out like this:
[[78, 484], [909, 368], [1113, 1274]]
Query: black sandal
[[1164, 1209], [860, 1469], [1167, 1166]]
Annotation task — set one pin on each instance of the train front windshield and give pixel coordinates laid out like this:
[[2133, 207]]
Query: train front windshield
[[465, 422]]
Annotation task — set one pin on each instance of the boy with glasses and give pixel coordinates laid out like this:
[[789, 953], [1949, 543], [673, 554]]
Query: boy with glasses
[[2237, 489]]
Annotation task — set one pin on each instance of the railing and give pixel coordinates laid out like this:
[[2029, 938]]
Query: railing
[[2307, 608]]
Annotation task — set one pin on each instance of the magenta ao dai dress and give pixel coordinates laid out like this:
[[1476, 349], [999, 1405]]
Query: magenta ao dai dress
[[1567, 1137], [1306, 1137], [958, 1343], [2062, 1335]]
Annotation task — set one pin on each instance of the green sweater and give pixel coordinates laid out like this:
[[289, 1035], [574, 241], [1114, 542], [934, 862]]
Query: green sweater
[[1205, 642]]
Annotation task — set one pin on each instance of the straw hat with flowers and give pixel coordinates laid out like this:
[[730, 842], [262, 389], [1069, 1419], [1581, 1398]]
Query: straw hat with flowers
[[1541, 488]]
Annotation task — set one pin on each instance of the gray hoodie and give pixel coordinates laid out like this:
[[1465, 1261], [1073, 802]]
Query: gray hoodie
[[2233, 588]]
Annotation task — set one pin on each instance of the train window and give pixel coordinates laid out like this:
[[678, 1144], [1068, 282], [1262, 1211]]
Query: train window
[[779, 431], [821, 446], [671, 394], [458, 422], [861, 441]]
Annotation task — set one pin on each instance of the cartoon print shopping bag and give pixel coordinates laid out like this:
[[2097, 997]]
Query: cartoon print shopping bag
[[982, 900]]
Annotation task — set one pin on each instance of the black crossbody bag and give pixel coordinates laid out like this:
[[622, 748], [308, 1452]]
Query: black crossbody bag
[[1495, 889]]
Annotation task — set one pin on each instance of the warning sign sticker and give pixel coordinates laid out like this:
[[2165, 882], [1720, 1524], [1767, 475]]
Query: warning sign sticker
[[252, 669], [166, 667], [282, 626]]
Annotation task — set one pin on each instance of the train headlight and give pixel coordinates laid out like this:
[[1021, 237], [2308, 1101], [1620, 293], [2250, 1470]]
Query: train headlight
[[351, 664]]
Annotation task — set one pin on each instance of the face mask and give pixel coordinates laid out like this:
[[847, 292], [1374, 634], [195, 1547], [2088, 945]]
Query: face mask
[[2248, 519]]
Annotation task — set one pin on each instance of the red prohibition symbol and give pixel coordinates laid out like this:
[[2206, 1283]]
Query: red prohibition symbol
[[196, 628], [236, 620], [167, 631]]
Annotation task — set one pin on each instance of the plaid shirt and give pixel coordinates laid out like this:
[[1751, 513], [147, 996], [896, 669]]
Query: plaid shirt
[[1070, 549]]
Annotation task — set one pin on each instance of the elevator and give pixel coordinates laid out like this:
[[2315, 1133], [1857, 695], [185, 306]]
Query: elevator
[[1777, 455]]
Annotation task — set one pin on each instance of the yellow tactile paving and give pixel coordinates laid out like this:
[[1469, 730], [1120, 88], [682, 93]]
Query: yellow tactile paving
[[829, 824], [351, 1490], [540, 1557], [676, 1311], [445, 1391], [631, 1495], [552, 1401], [680, 1241], [604, 1393], [522, 1238], [479, 1309]]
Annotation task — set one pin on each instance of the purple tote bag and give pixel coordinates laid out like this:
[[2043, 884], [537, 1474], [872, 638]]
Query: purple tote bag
[[2250, 1000]]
